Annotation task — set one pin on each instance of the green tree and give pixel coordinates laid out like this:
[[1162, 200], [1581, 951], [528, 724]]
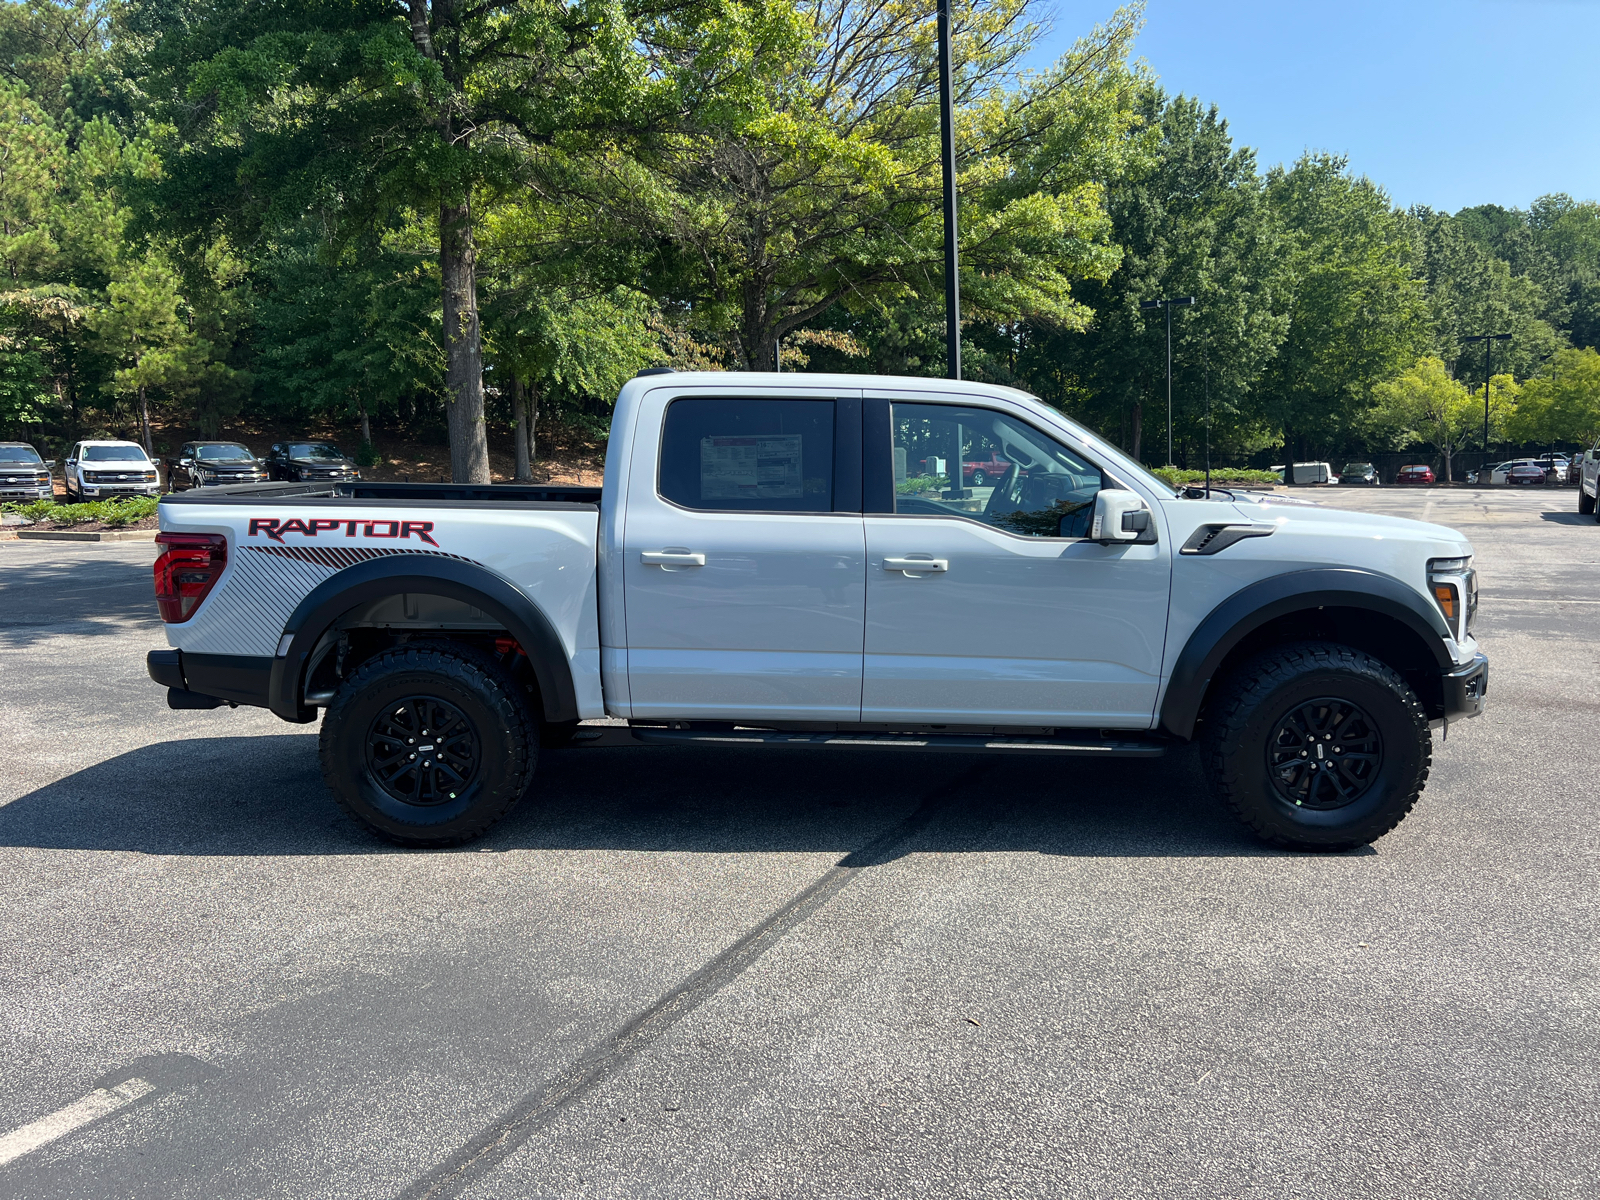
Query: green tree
[[378, 115], [1357, 311], [1562, 405], [1195, 222], [1424, 404], [32, 153], [817, 186]]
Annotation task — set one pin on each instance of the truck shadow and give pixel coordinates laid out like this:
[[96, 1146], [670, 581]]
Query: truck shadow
[[230, 796], [1566, 518], [83, 598]]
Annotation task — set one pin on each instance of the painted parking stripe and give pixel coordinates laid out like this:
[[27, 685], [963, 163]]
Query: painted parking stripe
[[101, 1102]]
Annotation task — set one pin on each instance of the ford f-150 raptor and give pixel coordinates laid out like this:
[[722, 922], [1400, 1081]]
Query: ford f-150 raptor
[[766, 563]]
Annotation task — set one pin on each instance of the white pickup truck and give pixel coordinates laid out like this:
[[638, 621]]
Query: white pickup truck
[[799, 560]]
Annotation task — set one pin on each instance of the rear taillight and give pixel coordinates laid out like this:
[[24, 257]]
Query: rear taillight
[[187, 566]]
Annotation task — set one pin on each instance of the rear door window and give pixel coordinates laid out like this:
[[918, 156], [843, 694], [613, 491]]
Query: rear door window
[[729, 455]]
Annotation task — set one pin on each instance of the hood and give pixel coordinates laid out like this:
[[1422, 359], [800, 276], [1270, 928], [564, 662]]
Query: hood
[[116, 464], [1306, 535], [327, 464]]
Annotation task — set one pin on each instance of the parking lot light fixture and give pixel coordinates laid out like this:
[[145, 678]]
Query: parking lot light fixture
[[1488, 340], [1167, 303]]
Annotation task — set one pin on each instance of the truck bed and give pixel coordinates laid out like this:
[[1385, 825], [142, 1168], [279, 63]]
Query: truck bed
[[470, 493]]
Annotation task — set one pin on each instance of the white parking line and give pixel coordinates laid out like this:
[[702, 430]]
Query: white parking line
[[99, 1103]]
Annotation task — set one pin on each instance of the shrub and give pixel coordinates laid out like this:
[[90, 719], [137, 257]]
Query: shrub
[[367, 455], [115, 513], [1219, 475]]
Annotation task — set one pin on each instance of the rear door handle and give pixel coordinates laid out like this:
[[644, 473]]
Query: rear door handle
[[917, 566], [672, 558]]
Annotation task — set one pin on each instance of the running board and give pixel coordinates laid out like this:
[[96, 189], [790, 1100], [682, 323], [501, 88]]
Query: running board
[[961, 743]]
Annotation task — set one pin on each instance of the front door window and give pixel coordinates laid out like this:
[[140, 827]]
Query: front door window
[[988, 467]]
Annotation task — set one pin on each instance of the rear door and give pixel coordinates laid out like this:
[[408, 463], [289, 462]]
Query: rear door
[[744, 559], [985, 605]]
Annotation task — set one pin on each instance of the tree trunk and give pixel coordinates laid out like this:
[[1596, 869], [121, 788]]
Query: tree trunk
[[533, 425], [144, 421], [1138, 428], [523, 432], [463, 376], [1288, 459], [366, 427]]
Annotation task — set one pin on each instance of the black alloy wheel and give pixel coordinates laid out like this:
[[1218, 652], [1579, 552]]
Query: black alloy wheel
[[1316, 746], [423, 751], [429, 743], [1324, 754]]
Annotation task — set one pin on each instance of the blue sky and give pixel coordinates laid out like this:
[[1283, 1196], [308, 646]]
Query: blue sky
[[1444, 104]]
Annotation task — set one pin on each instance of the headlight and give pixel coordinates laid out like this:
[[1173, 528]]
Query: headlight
[[1454, 586]]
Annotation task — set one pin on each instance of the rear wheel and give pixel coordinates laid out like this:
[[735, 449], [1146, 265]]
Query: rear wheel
[[429, 744], [1317, 746], [1585, 502], [979, 478]]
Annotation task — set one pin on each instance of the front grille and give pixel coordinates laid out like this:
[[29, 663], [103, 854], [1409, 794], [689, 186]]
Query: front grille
[[119, 476]]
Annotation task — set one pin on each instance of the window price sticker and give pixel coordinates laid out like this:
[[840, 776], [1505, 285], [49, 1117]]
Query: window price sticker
[[757, 468]]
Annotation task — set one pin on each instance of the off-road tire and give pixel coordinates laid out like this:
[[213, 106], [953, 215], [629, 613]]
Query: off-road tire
[[1250, 704], [1585, 501], [455, 678]]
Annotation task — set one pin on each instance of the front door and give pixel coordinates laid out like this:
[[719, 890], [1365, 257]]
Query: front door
[[985, 605], [744, 561]]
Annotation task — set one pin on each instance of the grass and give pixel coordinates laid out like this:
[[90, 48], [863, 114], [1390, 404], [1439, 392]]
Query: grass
[[108, 512]]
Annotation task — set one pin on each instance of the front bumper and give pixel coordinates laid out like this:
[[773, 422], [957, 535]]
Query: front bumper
[[1466, 689], [42, 491]]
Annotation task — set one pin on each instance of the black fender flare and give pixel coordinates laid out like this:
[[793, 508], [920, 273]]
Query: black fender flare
[[422, 574], [1295, 591]]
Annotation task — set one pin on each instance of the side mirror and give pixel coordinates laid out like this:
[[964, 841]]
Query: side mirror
[[49, 462], [1121, 518]]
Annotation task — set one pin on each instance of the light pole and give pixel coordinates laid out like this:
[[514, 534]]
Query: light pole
[[1167, 304], [947, 148], [1488, 340]]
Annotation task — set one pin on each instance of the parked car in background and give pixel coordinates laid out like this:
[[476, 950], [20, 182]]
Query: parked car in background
[[1527, 474], [302, 462], [984, 471], [1491, 474], [104, 469], [23, 474], [201, 464], [1359, 475], [1309, 472], [1415, 473], [1557, 466]]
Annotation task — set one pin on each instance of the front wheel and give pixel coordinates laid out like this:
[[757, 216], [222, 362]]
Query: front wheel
[[979, 478], [429, 744], [1317, 746], [1585, 502]]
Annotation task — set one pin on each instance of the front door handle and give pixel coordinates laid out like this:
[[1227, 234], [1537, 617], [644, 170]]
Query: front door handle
[[917, 566], [672, 558]]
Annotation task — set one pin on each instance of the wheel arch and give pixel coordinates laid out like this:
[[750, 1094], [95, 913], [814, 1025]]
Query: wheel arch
[[1364, 609], [425, 575]]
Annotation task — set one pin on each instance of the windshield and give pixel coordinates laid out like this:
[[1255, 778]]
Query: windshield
[[1355, 468], [223, 454], [19, 454], [314, 450], [128, 453]]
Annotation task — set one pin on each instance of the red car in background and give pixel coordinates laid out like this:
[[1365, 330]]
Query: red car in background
[[982, 471], [1415, 473], [1526, 474]]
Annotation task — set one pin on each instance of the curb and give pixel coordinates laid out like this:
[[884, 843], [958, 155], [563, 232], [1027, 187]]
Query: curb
[[110, 535]]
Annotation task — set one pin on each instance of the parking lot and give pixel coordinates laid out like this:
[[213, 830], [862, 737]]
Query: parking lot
[[796, 973]]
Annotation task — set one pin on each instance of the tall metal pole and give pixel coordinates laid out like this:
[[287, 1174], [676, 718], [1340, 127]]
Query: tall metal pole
[[1169, 383], [947, 139], [1488, 374]]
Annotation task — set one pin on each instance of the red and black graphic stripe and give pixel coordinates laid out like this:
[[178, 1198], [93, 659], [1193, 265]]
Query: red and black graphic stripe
[[339, 557]]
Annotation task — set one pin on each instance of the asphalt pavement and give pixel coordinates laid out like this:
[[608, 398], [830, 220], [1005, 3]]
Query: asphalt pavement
[[792, 973]]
